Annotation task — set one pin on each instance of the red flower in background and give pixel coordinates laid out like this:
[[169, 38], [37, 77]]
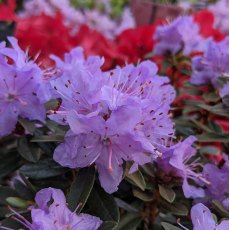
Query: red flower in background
[[205, 20], [94, 43], [7, 11], [44, 34], [136, 43]]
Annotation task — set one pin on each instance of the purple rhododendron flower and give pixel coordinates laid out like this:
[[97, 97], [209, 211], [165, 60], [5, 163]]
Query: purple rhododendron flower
[[181, 34], [123, 115], [52, 213], [220, 11], [176, 161], [20, 84], [212, 65], [202, 219], [219, 182], [76, 82]]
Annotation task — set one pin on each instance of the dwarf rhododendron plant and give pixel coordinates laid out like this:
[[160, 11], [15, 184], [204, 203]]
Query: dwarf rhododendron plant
[[20, 85], [111, 126], [52, 213], [122, 116], [213, 65]]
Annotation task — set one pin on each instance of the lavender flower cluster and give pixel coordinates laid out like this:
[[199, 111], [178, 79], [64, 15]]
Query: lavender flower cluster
[[122, 116], [182, 34], [212, 65], [113, 117]]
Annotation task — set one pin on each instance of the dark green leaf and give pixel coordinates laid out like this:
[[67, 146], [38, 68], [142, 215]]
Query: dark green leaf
[[211, 97], [42, 169], [52, 104], [168, 226], [9, 162], [148, 169], [27, 125], [178, 209], [130, 222], [213, 137], [218, 109], [56, 128], [48, 138], [29, 151], [220, 208], [81, 188], [16, 202], [6, 192], [125, 206], [24, 191], [108, 225], [209, 150], [135, 178], [103, 205], [167, 193], [143, 195]]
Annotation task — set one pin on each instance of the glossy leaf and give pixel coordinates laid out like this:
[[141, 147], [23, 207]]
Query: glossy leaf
[[81, 188], [135, 178], [168, 226], [130, 221], [29, 151], [42, 169], [167, 193], [143, 195], [103, 205]]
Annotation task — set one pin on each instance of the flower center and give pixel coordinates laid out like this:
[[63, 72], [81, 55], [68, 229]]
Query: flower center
[[11, 97]]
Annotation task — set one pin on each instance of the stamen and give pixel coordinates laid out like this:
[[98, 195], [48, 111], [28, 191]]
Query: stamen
[[57, 112], [21, 219], [110, 157], [21, 101], [178, 222]]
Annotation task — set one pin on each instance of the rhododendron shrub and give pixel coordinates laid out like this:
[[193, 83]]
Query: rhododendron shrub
[[104, 127]]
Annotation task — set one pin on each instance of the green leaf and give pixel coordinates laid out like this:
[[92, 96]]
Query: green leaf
[[125, 206], [211, 97], [186, 72], [143, 195], [168, 226], [29, 151], [24, 191], [213, 137], [81, 188], [42, 169], [108, 225], [28, 184], [9, 161], [218, 109], [56, 128], [220, 208], [201, 126], [27, 125], [215, 127], [148, 169], [48, 138], [52, 104], [103, 205], [209, 149], [130, 222], [6, 192], [17, 202], [135, 178], [167, 193], [175, 208]]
